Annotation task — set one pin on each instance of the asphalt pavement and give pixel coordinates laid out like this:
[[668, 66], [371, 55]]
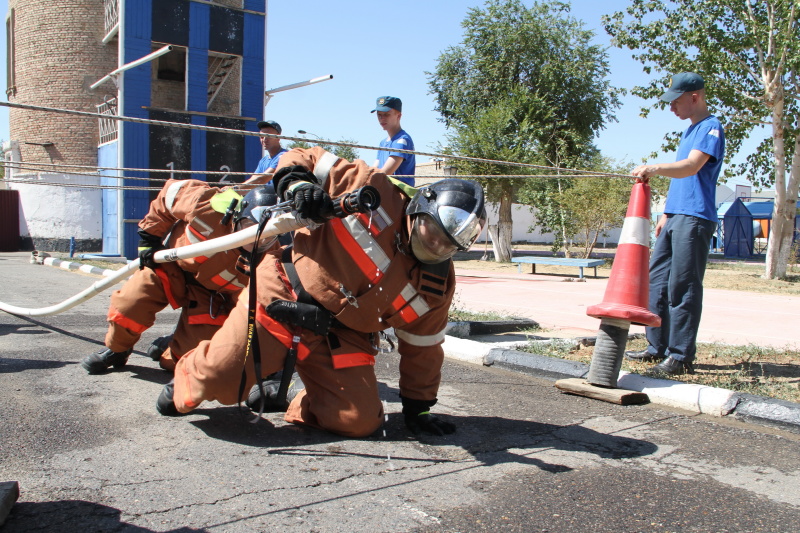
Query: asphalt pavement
[[90, 453]]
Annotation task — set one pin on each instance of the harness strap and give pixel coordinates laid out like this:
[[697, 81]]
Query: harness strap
[[252, 337], [291, 272]]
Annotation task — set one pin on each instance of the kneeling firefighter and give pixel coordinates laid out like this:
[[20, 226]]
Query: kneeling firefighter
[[204, 288], [326, 297]]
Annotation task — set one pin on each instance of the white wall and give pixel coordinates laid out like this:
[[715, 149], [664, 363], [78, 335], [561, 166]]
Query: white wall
[[523, 219], [57, 212]]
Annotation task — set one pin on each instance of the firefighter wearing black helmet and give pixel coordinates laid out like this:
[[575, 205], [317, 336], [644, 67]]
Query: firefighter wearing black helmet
[[327, 297], [204, 288]]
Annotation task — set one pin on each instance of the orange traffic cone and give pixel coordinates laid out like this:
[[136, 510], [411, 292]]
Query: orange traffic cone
[[628, 286]]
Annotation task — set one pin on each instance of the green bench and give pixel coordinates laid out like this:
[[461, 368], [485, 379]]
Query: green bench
[[580, 263]]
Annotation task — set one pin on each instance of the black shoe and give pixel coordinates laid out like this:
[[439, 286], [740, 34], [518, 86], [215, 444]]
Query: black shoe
[[672, 367], [99, 362], [271, 386], [643, 356], [157, 348], [165, 404]]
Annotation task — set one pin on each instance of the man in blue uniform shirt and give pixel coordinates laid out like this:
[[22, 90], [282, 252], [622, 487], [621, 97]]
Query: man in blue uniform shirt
[[272, 145], [390, 109], [684, 231]]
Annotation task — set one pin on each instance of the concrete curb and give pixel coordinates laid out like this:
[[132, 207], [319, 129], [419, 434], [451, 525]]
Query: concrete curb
[[44, 259], [9, 493], [687, 396]]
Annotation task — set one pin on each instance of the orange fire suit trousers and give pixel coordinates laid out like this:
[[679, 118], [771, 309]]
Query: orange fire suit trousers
[[134, 307], [340, 400]]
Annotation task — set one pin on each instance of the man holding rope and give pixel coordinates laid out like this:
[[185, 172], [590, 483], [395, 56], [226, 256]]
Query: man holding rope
[[684, 231]]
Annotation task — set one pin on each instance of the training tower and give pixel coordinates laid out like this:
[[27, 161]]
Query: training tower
[[64, 54]]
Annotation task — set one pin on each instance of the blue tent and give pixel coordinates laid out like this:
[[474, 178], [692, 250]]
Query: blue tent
[[760, 222], [737, 230]]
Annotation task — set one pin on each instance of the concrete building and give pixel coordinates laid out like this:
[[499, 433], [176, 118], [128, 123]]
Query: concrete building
[[211, 74]]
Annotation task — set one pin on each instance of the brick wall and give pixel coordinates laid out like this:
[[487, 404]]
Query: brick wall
[[59, 53]]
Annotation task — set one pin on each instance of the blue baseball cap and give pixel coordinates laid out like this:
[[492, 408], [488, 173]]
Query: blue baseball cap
[[385, 103], [270, 124], [682, 83]]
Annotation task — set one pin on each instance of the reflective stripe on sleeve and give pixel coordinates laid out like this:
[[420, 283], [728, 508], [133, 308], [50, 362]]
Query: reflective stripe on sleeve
[[420, 340], [323, 167], [172, 193], [205, 230]]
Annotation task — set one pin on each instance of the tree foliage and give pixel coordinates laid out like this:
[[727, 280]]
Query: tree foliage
[[749, 53], [524, 85], [345, 152]]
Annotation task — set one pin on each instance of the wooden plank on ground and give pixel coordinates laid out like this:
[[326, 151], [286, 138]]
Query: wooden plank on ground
[[618, 396]]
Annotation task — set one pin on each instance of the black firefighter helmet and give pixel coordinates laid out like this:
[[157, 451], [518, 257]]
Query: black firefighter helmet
[[252, 207], [451, 216]]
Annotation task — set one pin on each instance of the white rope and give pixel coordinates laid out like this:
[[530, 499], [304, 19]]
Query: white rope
[[304, 139]]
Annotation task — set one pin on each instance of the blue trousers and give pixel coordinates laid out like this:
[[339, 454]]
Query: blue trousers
[[677, 267]]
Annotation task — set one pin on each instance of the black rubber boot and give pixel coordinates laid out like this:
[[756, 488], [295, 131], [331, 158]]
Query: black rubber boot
[[271, 386], [158, 346], [165, 403], [100, 362]]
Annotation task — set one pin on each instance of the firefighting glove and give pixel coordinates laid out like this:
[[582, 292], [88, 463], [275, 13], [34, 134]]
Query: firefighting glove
[[287, 175], [419, 419], [148, 246], [310, 201]]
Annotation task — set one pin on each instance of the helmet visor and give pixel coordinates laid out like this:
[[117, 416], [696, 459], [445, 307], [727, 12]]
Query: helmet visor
[[462, 226], [429, 243]]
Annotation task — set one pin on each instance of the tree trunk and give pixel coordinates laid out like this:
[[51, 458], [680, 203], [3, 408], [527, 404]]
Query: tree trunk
[[784, 210], [566, 242], [502, 247], [783, 220]]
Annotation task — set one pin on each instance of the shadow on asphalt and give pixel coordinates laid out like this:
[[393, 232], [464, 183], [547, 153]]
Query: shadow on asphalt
[[73, 515], [5, 329], [488, 439], [9, 365]]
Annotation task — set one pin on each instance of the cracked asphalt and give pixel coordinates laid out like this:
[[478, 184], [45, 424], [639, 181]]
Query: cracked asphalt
[[90, 453]]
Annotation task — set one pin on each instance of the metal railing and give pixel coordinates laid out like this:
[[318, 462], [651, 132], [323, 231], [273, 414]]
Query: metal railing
[[112, 14], [108, 127]]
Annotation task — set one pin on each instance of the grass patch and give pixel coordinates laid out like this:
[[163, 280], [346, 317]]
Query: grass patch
[[769, 372], [462, 315]]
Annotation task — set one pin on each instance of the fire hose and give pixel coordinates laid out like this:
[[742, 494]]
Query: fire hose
[[361, 200]]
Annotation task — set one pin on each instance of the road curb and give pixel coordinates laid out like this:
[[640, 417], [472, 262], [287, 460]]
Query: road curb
[[44, 259], [687, 396], [9, 493], [779, 413]]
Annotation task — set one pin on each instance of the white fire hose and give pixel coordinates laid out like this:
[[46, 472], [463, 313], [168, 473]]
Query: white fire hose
[[282, 223]]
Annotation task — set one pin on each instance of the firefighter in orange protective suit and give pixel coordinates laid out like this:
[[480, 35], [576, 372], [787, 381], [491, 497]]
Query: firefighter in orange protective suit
[[204, 288], [326, 297]]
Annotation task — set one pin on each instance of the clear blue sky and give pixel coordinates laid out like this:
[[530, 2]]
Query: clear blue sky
[[372, 49]]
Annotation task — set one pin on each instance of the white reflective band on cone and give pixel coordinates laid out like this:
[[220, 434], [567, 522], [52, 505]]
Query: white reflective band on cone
[[635, 230]]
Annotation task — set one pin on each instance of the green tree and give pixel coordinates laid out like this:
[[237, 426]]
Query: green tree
[[345, 152], [525, 83], [598, 205], [749, 53]]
